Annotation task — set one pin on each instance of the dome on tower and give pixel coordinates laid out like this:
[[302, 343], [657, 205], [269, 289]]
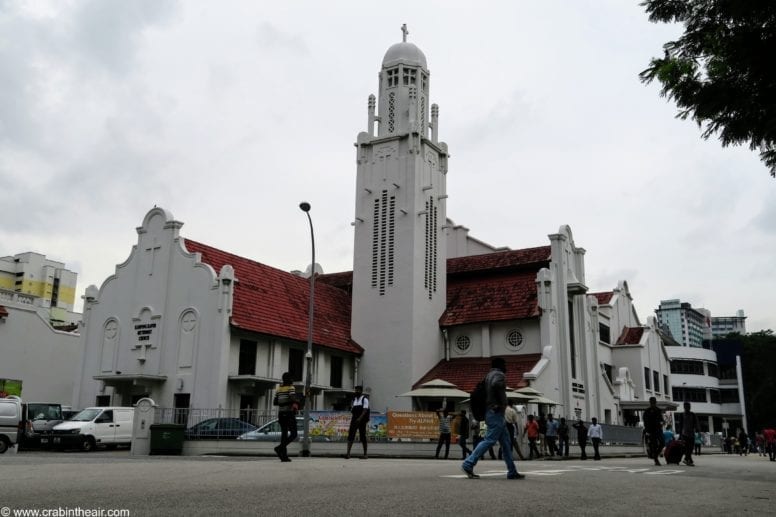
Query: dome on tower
[[404, 53]]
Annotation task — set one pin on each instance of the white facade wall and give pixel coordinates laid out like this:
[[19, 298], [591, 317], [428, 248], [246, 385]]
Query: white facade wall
[[44, 359], [162, 293]]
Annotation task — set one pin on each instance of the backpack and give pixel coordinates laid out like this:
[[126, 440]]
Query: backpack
[[478, 400]]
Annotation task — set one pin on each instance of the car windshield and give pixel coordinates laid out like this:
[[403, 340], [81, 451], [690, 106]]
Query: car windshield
[[87, 415], [44, 411]]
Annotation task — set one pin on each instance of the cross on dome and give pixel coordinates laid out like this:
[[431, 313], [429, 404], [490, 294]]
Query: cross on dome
[[404, 32]]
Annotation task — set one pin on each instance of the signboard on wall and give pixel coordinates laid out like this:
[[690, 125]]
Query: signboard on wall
[[413, 425], [10, 387]]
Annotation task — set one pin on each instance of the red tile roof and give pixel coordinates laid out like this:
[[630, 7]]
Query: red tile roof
[[494, 287], [275, 302], [534, 258], [630, 336], [465, 373], [3, 312], [604, 298], [490, 298]]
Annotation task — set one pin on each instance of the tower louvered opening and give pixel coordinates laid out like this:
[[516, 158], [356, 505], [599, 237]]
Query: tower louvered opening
[[431, 234], [383, 241]]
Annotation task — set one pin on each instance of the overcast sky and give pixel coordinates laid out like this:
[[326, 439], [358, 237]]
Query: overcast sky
[[230, 113]]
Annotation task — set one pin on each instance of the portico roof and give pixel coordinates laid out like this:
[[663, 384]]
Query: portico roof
[[465, 373]]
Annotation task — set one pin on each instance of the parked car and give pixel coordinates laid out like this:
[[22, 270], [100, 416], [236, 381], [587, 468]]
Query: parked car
[[218, 429], [270, 432], [40, 420], [92, 427], [11, 422]]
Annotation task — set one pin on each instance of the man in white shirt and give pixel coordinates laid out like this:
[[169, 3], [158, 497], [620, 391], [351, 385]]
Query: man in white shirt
[[596, 434]]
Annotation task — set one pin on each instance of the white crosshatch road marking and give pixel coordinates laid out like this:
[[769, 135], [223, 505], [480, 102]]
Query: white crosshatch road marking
[[570, 469]]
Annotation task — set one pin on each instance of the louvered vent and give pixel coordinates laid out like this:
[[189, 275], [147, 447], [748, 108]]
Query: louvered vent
[[383, 241]]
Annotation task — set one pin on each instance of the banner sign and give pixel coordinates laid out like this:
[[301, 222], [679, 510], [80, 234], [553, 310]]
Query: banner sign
[[413, 425]]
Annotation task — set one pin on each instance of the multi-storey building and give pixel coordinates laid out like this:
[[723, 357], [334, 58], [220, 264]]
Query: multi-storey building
[[716, 396], [721, 326], [47, 280], [39, 341], [687, 325]]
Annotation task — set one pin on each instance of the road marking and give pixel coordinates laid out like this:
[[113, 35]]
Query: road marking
[[570, 469]]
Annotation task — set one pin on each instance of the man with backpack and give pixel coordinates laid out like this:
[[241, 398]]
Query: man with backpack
[[496, 402]]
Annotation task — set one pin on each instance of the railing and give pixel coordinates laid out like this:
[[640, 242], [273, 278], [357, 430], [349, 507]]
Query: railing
[[15, 297]]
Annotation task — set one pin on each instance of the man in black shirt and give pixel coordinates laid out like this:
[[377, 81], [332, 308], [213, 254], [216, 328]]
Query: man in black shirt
[[653, 430]]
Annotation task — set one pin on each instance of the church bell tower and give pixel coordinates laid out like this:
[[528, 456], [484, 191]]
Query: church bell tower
[[399, 264]]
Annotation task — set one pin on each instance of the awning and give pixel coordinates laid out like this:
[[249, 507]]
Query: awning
[[437, 388], [253, 379], [124, 378], [641, 405], [545, 401]]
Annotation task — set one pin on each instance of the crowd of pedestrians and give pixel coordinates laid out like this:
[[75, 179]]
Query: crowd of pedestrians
[[547, 437]]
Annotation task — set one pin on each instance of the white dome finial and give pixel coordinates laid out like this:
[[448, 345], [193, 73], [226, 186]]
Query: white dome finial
[[404, 32]]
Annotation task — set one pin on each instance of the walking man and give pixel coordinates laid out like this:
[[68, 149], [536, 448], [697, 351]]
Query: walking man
[[653, 427], [532, 432], [769, 435], [463, 433], [689, 426], [494, 417], [596, 434], [581, 437], [510, 415], [359, 417], [288, 404]]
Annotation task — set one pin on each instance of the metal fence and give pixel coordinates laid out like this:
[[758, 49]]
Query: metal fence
[[226, 423], [215, 424]]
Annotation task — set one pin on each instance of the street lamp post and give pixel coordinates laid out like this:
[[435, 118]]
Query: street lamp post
[[305, 206]]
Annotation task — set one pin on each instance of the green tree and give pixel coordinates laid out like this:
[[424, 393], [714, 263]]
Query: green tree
[[721, 71], [757, 362]]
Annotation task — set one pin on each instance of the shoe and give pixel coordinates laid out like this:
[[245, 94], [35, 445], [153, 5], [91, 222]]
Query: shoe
[[279, 452], [516, 476], [364, 457], [689, 463], [657, 462], [470, 473], [285, 460]]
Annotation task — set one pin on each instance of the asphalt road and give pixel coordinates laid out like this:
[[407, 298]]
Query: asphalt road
[[154, 485]]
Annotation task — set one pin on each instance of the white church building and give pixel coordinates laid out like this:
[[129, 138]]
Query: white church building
[[193, 326]]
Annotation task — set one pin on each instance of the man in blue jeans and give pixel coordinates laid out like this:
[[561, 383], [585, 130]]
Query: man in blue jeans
[[494, 418]]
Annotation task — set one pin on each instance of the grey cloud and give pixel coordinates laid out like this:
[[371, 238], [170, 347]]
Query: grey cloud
[[105, 32], [765, 221], [269, 37]]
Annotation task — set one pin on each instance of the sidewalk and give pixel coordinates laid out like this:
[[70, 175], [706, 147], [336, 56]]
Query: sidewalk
[[379, 449]]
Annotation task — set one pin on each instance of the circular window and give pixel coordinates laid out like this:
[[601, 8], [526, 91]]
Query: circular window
[[462, 343], [514, 339]]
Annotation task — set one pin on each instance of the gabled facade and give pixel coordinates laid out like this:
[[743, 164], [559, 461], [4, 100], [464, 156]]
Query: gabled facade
[[193, 326], [632, 356]]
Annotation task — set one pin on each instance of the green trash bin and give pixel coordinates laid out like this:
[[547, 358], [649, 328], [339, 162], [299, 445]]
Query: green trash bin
[[167, 439]]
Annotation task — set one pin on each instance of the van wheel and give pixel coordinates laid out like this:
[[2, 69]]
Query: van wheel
[[87, 444], [3, 445]]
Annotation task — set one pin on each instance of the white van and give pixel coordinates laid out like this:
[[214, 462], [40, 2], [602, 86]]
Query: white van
[[92, 427], [11, 424]]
